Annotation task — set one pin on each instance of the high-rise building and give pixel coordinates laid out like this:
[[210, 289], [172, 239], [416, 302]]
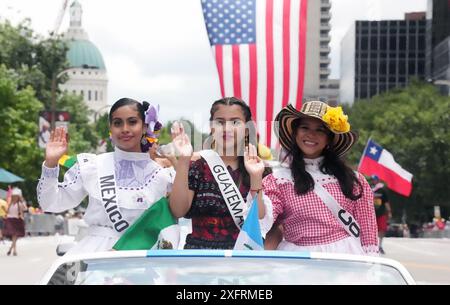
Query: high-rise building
[[87, 73], [377, 56], [438, 43], [317, 83]]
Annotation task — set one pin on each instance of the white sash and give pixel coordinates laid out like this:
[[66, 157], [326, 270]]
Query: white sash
[[230, 192], [346, 219], [108, 191]]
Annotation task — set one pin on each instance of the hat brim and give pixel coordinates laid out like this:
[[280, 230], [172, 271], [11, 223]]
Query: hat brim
[[342, 142]]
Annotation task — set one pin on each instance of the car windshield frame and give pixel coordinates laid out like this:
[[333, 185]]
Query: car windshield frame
[[218, 267]]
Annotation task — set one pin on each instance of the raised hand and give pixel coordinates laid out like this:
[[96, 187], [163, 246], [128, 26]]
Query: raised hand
[[253, 164], [176, 129], [181, 142], [56, 147]]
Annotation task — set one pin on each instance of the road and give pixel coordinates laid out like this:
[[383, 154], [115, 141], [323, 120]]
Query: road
[[426, 259], [35, 256]]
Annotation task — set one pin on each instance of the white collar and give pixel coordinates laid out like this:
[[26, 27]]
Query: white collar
[[132, 156], [313, 164]]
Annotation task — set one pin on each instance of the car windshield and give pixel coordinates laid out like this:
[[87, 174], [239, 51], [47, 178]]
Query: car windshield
[[220, 271]]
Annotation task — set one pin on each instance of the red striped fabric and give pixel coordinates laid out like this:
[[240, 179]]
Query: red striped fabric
[[259, 47]]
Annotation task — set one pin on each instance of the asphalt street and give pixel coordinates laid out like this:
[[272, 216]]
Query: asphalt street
[[426, 259]]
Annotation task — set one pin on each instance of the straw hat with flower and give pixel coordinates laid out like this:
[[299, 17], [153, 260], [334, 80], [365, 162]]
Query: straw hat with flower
[[332, 117]]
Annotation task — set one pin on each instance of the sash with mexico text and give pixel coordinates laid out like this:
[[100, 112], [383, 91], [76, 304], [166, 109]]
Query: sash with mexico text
[[108, 191]]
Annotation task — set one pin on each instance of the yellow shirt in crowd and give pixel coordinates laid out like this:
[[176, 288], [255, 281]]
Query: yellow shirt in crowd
[[2, 208]]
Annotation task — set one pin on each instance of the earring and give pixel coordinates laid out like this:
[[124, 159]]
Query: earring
[[144, 140], [145, 144]]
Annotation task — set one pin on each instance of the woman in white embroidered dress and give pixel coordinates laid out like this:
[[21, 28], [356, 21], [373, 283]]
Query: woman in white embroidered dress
[[315, 139], [139, 180]]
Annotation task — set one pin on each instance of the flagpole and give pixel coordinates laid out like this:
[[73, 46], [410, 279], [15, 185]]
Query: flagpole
[[364, 152]]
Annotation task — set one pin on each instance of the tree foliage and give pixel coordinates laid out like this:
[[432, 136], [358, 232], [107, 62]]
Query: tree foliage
[[27, 65], [19, 153], [411, 123]]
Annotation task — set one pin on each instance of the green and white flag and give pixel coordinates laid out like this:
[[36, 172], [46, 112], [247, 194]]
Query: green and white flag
[[156, 228]]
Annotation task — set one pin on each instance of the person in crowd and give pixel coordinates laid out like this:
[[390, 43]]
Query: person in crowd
[[3, 213], [382, 206], [14, 223]]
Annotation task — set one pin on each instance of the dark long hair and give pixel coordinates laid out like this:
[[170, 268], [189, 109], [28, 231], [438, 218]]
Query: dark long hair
[[251, 137], [332, 165], [140, 108]]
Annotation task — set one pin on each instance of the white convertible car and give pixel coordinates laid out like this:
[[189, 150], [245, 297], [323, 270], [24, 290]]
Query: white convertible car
[[219, 267]]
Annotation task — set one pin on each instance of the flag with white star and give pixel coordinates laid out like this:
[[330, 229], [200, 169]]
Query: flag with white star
[[378, 161]]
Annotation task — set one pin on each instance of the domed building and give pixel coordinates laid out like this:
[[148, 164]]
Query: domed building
[[87, 73]]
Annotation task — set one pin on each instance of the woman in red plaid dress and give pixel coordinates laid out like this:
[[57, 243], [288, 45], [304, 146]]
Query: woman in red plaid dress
[[314, 140]]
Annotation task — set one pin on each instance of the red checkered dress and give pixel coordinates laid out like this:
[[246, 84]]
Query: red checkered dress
[[307, 221]]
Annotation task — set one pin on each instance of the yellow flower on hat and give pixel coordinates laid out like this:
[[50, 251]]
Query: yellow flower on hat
[[336, 119]]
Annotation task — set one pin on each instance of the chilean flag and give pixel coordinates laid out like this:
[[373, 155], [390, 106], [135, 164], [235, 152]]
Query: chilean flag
[[378, 161]]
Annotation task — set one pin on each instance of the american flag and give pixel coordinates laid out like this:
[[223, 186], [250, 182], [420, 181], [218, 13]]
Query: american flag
[[259, 47]]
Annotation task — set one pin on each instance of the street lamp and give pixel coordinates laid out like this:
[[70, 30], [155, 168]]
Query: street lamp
[[55, 77]]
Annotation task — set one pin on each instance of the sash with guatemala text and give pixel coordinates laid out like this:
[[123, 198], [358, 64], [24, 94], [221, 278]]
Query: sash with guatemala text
[[230, 192], [108, 191]]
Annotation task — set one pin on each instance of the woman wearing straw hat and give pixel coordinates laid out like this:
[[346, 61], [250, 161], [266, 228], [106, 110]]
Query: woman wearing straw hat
[[321, 203]]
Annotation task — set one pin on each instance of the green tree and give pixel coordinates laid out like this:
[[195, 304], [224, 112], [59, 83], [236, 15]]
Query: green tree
[[411, 123], [17, 48], [102, 128], [29, 62], [194, 134], [83, 137], [33, 58], [19, 153]]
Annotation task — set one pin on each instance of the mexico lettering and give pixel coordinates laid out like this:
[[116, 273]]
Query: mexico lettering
[[109, 201]]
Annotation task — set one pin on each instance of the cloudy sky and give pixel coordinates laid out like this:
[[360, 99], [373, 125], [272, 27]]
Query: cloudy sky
[[157, 50]]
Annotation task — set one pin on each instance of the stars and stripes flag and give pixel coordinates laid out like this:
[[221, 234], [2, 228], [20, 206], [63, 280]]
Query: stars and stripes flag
[[378, 161], [259, 47]]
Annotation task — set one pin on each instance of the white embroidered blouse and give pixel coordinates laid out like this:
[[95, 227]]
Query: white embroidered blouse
[[140, 183]]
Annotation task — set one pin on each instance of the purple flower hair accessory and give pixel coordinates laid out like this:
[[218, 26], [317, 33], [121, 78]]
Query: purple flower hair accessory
[[153, 129]]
